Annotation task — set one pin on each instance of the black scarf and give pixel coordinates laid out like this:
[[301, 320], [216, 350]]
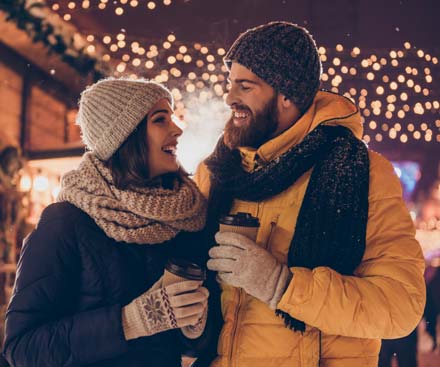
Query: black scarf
[[331, 226]]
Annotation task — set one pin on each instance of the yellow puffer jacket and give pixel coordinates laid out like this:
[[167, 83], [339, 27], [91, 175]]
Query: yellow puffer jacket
[[346, 316]]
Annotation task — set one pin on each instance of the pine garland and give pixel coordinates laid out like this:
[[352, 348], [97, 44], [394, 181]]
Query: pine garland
[[38, 21]]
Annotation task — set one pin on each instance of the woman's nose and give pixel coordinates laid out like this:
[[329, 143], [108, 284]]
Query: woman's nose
[[176, 130]]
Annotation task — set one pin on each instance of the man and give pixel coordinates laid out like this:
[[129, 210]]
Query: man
[[335, 266]]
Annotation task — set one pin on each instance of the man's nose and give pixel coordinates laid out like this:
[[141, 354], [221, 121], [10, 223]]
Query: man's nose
[[231, 97]]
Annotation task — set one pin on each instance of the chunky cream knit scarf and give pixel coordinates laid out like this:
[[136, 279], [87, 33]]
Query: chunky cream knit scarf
[[147, 215]]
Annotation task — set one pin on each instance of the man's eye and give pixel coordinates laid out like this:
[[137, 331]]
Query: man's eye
[[243, 87]]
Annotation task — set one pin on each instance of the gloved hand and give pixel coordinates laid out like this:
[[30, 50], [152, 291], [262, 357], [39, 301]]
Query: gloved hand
[[194, 331], [240, 262], [160, 308]]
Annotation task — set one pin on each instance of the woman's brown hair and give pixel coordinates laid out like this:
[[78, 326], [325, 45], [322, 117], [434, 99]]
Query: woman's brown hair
[[129, 164]]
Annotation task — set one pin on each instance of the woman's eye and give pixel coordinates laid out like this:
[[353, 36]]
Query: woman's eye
[[159, 120]]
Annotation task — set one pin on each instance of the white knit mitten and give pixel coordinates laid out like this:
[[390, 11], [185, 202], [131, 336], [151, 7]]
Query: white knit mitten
[[163, 308]]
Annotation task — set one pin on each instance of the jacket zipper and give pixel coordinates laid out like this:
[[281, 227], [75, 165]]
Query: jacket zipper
[[240, 296], [320, 350], [234, 329], [273, 223]]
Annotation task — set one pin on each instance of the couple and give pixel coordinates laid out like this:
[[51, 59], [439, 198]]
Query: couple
[[335, 267]]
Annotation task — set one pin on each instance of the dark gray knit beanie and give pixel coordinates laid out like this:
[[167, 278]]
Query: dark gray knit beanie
[[284, 55]]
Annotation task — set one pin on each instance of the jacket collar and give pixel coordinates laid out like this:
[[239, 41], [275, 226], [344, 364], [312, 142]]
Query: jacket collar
[[327, 108]]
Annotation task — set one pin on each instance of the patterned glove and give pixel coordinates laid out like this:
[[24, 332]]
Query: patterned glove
[[242, 263], [159, 309]]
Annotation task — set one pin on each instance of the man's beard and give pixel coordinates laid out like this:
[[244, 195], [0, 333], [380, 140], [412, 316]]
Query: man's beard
[[258, 131]]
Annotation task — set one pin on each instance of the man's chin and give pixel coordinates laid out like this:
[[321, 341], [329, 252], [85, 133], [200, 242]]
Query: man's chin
[[241, 123], [232, 134]]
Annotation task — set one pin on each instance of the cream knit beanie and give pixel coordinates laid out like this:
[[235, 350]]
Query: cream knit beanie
[[111, 109]]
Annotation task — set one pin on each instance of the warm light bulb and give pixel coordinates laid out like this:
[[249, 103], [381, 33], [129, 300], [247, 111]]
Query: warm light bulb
[[41, 183], [25, 183]]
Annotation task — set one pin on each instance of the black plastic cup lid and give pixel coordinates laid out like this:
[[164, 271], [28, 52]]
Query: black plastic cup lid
[[240, 219], [185, 269]]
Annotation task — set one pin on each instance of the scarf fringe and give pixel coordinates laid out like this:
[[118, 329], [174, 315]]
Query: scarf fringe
[[290, 322]]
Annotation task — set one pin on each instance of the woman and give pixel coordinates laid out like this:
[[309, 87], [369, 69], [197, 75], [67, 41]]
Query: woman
[[88, 289]]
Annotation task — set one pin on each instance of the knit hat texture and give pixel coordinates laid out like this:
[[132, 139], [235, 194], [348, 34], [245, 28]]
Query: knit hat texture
[[284, 55], [111, 109]]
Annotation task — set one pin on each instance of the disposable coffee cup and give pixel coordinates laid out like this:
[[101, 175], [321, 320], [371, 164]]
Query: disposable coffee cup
[[243, 223], [180, 270]]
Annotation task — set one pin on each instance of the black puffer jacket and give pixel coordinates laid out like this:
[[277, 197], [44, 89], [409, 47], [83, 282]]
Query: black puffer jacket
[[72, 281]]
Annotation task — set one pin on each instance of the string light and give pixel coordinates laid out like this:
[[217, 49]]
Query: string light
[[401, 78]]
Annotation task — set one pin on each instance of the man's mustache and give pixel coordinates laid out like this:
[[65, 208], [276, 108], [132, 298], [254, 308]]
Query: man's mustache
[[239, 107]]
